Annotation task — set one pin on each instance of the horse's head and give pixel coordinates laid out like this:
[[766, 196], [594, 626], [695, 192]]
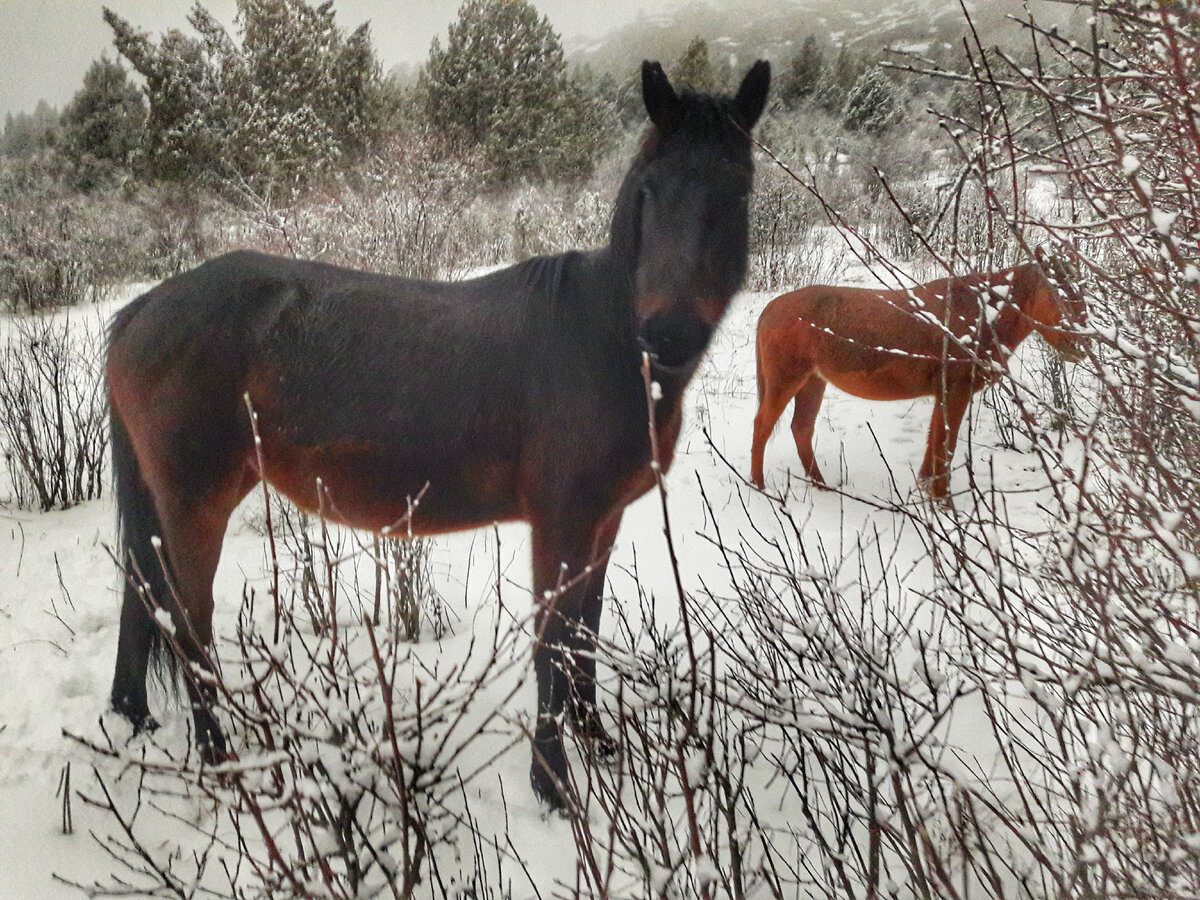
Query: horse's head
[[682, 218], [1057, 307]]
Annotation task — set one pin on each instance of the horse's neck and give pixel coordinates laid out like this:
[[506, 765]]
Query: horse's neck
[[1011, 323], [1015, 323], [607, 280]]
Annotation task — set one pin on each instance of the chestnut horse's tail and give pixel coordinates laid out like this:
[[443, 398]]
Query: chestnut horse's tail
[[140, 645]]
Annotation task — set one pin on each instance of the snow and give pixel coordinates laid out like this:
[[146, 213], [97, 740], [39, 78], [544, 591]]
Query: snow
[[55, 668]]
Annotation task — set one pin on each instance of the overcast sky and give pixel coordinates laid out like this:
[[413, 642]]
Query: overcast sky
[[47, 45]]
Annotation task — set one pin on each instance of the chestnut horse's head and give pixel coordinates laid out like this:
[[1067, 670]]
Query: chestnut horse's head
[[683, 214], [1057, 308]]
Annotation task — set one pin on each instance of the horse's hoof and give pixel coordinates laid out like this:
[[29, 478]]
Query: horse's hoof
[[587, 727], [210, 740], [548, 772], [136, 714], [545, 788]]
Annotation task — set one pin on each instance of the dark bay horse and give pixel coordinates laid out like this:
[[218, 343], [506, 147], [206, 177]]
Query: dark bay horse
[[515, 396], [946, 339]]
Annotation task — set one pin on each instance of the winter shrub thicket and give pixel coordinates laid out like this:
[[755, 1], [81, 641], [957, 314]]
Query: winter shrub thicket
[[412, 210], [62, 250], [417, 209], [53, 414]]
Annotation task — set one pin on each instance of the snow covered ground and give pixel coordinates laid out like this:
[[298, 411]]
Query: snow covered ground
[[59, 598]]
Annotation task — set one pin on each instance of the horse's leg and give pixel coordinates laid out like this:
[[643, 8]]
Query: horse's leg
[[804, 417], [193, 533], [773, 396], [562, 549], [585, 715], [948, 409], [135, 639]]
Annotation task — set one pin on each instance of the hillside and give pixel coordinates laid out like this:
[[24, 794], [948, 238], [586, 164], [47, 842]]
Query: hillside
[[774, 30]]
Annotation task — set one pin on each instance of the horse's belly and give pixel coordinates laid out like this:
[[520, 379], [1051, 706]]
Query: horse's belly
[[362, 485], [892, 381]]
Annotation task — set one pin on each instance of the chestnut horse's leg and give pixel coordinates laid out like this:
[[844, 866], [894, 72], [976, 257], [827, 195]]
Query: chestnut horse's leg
[[948, 409], [774, 393], [804, 416], [563, 546]]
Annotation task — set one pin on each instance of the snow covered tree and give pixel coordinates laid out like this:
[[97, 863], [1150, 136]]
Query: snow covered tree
[[28, 133], [801, 78], [183, 136], [874, 104], [501, 84], [296, 96], [693, 68], [839, 80], [102, 125]]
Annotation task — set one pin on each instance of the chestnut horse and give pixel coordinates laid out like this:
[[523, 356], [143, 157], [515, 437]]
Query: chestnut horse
[[515, 396], [947, 339]]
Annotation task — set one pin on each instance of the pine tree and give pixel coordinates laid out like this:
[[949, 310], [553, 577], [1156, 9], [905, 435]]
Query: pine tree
[[102, 125], [182, 140], [873, 105], [693, 68], [501, 84], [801, 78], [296, 96], [839, 80]]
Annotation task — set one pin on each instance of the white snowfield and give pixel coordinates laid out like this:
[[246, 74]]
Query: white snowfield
[[59, 601]]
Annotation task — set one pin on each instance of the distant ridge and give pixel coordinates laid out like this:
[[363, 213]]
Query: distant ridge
[[775, 29]]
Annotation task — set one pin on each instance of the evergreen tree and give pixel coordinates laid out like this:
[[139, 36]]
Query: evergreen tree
[[296, 96], [693, 68], [839, 80], [802, 77], [28, 133], [102, 125], [873, 105], [501, 84], [183, 132]]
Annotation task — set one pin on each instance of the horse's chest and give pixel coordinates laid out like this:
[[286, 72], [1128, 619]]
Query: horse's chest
[[642, 476]]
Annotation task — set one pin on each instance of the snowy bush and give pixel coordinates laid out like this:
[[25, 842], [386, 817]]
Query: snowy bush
[[47, 258], [352, 759], [410, 212], [53, 414]]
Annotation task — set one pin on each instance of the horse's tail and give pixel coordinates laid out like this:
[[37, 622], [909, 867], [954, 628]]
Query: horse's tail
[[140, 646]]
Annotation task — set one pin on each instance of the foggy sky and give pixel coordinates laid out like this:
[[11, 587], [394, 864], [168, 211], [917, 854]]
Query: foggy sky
[[47, 45]]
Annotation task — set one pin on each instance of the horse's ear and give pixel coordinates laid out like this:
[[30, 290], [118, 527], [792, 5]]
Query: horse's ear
[[752, 95], [662, 103]]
